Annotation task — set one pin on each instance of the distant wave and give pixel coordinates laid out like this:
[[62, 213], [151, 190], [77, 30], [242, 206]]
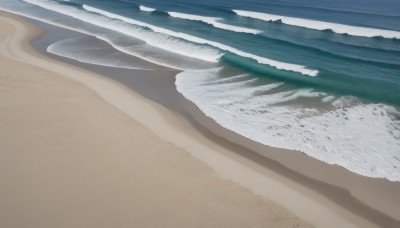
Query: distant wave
[[164, 42], [146, 9], [321, 25], [278, 65], [339, 54], [214, 22], [157, 40], [213, 57], [330, 9]]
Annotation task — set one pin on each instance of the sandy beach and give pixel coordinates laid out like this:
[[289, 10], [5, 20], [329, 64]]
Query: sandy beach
[[70, 159], [79, 149]]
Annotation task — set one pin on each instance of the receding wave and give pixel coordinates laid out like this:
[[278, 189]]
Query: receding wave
[[101, 53], [321, 25], [214, 21], [140, 50], [278, 65], [157, 40], [146, 9]]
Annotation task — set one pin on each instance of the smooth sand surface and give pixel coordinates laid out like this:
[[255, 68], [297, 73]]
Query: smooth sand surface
[[70, 159]]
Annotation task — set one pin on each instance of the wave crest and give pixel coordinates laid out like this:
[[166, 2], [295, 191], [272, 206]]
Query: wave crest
[[146, 9], [262, 60], [165, 38], [321, 25], [214, 21]]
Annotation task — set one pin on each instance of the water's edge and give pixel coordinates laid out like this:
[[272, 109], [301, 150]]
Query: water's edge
[[266, 156]]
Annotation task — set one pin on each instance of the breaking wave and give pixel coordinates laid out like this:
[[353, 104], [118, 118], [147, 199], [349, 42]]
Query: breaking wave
[[146, 9], [321, 25], [214, 21], [331, 133]]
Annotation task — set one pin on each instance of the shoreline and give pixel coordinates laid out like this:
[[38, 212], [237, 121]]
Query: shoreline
[[71, 159], [339, 188], [270, 166]]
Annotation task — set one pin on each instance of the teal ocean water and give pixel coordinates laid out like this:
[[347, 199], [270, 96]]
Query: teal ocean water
[[320, 77]]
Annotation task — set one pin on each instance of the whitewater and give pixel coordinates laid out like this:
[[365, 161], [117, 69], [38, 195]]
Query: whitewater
[[279, 65], [146, 9], [214, 22], [175, 46], [331, 135], [320, 25]]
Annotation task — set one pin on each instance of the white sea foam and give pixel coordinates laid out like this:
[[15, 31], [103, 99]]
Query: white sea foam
[[145, 52], [173, 45], [214, 21], [364, 138], [159, 40], [321, 25], [279, 65], [166, 43], [83, 50], [146, 9]]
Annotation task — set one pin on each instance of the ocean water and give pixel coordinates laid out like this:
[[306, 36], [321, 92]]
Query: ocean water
[[320, 77]]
